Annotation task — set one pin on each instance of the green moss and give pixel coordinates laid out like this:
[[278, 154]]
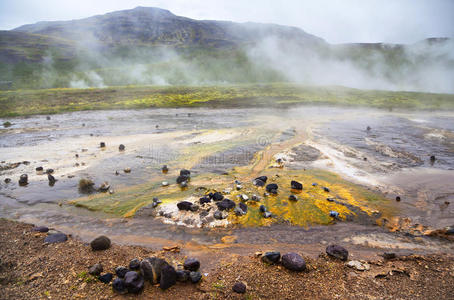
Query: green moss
[[29, 102]]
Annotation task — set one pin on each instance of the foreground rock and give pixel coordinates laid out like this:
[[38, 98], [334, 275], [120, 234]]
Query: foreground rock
[[56, 238], [121, 271], [271, 257], [294, 262], [191, 264], [106, 278], [168, 277], [272, 188], [226, 204], [239, 288], [100, 243], [134, 282], [95, 270], [119, 286], [337, 251], [295, 185], [40, 229], [23, 180]]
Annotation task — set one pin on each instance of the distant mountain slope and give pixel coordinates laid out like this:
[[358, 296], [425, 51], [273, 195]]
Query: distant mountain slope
[[154, 26], [153, 46]]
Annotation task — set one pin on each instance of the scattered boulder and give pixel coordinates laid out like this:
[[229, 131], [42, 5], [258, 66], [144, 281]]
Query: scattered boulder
[[295, 185], [121, 271], [183, 275], [39, 169], [86, 185], [184, 205], [195, 277], [262, 208], [292, 198], [219, 215], [262, 179], [7, 124], [127, 170], [294, 262], [50, 171], [23, 180], [151, 268], [337, 251], [184, 184], [357, 265], [7, 180], [226, 204], [204, 199], [182, 178], [48, 118], [239, 288], [51, 179], [40, 229], [165, 183], [267, 214], [119, 286], [326, 189], [168, 277], [243, 207], [254, 197], [121, 147], [217, 196], [271, 257], [398, 198], [238, 187], [164, 169], [134, 282], [56, 238], [191, 264], [134, 264], [334, 214], [314, 184], [106, 278], [185, 172], [100, 243], [102, 145], [244, 197], [95, 270], [272, 188]]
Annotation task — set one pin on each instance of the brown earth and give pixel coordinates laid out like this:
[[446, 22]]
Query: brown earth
[[31, 269]]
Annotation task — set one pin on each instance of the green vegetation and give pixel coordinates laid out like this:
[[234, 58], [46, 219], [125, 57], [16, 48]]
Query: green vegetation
[[51, 101]]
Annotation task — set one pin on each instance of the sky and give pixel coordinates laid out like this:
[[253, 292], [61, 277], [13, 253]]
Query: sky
[[336, 21]]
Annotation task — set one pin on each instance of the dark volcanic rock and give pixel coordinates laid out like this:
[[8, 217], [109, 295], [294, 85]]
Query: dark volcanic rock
[[272, 188], [262, 208], [40, 229], [337, 251], [184, 205], [218, 215], [39, 169], [326, 189], [121, 147], [7, 180], [294, 262], [262, 178], [95, 270], [183, 275], [182, 178], [296, 185], [204, 199], [151, 269], [195, 277], [168, 277], [121, 271], [292, 198], [271, 257], [243, 207], [50, 171], [56, 238], [185, 172], [134, 264], [134, 282], [119, 286], [102, 145], [226, 204], [100, 243], [106, 278], [191, 264], [217, 196], [239, 288], [164, 169], [23, 180], [51, 179]]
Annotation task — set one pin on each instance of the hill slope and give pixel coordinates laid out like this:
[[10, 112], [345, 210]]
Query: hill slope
[[153, 46]]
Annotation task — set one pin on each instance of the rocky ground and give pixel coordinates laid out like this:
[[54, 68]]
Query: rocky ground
[[32, 269]]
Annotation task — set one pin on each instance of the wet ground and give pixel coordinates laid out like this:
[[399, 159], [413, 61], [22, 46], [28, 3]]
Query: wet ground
[[390, 159]]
